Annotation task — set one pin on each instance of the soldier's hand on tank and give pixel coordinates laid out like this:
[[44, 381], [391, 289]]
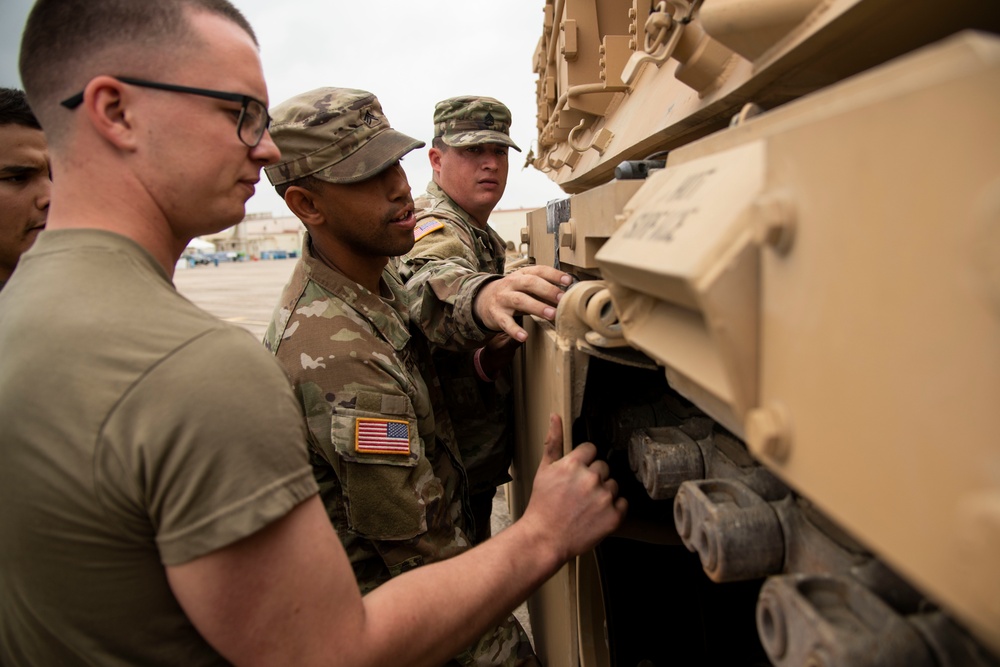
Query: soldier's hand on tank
[[574, 496], [533, 290]]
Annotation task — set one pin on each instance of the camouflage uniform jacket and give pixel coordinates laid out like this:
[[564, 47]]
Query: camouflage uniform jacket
[[450, 250], [388, 472], [380, 443]]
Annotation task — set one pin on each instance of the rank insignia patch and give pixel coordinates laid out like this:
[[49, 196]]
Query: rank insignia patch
[[381, 436], [425, 228]]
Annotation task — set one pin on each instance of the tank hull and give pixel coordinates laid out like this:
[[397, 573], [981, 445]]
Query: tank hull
[[784, 339]]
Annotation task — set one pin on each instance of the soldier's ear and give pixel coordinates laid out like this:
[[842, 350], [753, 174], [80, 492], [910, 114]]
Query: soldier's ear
[[302, 203], [109, 106], [434, 156]]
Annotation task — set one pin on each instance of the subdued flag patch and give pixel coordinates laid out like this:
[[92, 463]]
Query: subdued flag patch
[[426, 227], [381, 436]]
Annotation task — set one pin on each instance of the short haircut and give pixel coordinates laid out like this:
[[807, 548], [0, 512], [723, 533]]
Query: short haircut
[[66, 43], [310, 183], [438, 143], [14, 109]]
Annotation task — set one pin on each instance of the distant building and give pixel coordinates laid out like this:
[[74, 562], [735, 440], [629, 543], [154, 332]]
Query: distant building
[[508, 224], [262, 235]]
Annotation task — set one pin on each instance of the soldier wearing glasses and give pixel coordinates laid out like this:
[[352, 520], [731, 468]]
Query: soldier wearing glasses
[[157, 505]]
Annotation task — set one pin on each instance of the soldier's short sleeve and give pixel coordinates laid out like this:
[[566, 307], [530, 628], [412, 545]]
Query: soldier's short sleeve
[[224, 456]]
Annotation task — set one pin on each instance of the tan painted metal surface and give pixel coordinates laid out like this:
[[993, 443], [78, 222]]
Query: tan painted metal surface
[[552, 609], [879, 326], [816, 267], [734, 52]]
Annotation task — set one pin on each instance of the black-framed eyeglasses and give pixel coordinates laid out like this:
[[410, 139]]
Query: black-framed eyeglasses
[[253, 121]]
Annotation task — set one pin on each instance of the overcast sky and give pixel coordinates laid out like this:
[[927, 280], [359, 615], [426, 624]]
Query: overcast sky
[[410, 53]]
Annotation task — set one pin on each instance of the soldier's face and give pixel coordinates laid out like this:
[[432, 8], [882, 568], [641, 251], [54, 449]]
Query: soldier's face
[[195, 165], [24, 191], [373, 218], [474, 176]]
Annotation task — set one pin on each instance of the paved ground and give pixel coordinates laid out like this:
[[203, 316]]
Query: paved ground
[[245, 294]]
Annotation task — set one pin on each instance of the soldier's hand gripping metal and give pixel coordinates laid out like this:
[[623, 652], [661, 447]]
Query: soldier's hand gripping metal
[[533, 290], [573, 496]]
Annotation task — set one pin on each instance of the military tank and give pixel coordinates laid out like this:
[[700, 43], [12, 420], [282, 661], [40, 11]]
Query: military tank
[[784, 218]]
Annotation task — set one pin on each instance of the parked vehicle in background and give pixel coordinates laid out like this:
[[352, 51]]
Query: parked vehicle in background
[[197, 258], [225, 256]]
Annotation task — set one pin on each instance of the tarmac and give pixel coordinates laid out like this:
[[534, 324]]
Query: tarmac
[[245, 294]]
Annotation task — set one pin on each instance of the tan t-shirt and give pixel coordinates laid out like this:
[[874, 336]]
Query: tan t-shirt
[[136, 431]]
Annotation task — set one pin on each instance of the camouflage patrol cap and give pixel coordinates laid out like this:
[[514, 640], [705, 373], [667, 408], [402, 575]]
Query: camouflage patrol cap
[[469, 120], [338, 135]]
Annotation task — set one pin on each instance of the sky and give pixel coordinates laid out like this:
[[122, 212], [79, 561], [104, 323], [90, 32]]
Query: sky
[[410, 53]]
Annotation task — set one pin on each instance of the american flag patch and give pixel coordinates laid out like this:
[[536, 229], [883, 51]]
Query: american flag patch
[[425, 228], [381, 436]]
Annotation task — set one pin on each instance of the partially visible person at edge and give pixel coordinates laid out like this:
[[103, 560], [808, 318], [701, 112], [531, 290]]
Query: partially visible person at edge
[[24, 179], [166, 512], [381, 445], [454, 243]]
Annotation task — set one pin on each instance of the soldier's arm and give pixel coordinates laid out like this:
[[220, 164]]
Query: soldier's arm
[[458, 306], [441, 295], [441, 276], [532, 290], [286, 595]]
